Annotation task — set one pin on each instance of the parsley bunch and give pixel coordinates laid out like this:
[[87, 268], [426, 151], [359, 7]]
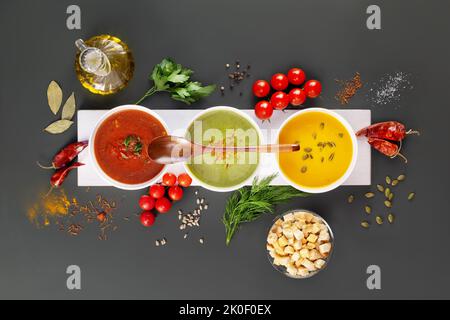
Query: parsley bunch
[[174, 78]]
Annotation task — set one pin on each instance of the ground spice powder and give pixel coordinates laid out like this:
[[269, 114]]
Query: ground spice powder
[[349, 88]]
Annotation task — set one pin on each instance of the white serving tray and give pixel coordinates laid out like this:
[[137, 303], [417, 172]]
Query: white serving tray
[[178, 120]]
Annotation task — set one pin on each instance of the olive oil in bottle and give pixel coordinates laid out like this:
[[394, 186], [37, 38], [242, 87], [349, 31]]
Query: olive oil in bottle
[[104, 64]]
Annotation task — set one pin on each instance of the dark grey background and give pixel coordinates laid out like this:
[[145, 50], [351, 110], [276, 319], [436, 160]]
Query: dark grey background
[[329, 39]]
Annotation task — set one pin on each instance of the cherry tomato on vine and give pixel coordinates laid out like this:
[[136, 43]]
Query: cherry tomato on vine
[[279, 100], [296, 76], [147, 218], [261, 88], [184, 180], [146, 202], [169, 179], [163, 205], [157, 191], [263, 110], [297, 96], [175, 193], [279, 81], [312, 88]]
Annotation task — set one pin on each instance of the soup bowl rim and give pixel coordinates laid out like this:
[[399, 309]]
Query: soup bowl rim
[[349, 169], [255, 172], [99, 170]]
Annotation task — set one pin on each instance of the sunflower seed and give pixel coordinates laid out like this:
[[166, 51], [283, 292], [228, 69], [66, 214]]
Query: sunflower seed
[[379, 219], [388, 204], [369, 195], [350, 198], [380, 188], [401, 177], [411, 196], [157, 243], [201, 240], [388, 180], [391, 218], [365, 224], [368, 209]]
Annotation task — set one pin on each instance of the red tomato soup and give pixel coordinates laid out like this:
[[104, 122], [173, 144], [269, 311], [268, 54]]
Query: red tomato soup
[[120, 146]]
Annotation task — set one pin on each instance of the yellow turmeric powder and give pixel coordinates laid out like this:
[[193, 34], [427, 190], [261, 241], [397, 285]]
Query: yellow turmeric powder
[[56, 204]]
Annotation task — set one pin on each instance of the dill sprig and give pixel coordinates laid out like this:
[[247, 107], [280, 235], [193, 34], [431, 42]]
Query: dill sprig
[[249, 203]]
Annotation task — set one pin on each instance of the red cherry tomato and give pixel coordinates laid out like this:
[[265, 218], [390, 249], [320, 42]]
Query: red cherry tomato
[[175, 193], [169, 179], [297, 96], [261, 88], [296, 76], [157, 191], [312, 88], [163, 205], [279, 100], [263, 110], [147, 218], [184, 180], [279, 81], [146, 202]]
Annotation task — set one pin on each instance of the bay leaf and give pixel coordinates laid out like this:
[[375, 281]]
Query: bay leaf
[[69, 108], [59, 126], [54, 96]]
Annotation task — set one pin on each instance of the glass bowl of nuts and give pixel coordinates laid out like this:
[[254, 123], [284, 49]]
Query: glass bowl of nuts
[[299, 243]]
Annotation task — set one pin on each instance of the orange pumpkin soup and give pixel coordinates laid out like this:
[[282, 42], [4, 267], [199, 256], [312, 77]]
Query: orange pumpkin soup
[[120, 146]]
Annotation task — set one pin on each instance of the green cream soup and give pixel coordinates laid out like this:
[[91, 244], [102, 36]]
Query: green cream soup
[[223, 169]]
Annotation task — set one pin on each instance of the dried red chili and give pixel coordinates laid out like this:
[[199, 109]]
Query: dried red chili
[[66, 155], [386, 147], [390, 130], [60, 175]]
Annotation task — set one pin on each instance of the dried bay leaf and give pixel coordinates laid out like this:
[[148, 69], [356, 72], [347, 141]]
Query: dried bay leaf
[[69, 108], [54, 96], [59, 126]]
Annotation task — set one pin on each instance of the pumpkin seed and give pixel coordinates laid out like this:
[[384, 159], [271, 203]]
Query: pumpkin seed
[[368, 209], [308, 150], [305, 157], [379, 219], [395, 182], [304, 169], [380, 188], [387, 192], [369, 195], [391, 196], [59, 126], [411, 196], [331, 157], [69, 108], [388, 204], [388, 180], [401, 177], [350, 198], [391, 218], [322, 125], [54, 96], [341, 135], [314, 135], [365, 224]]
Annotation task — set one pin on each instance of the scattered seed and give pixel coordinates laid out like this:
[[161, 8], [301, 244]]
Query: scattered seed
[[388, 204], [227, 65], [157, 243], [308, 150], [401, 177], [304, 169], [350, 198], [196, 192], [305, 157], [185, 235], [411, 196], [379, 219], [331, 157], [368, 209], [341, 135], [395, 182], [391, 196], [322, 125], [380, 188], [365, 224], [369, 195], [388, 180], [198, 201], [201, 240], [322, 159], [391, 218], [205, 207], [387, 192], [314, 135]]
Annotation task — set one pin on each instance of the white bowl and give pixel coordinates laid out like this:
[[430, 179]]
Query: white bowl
[[97, 167], [250, 178], [350, 168]]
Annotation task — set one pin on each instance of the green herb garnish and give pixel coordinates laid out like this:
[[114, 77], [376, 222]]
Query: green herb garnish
[[249, 203], [174, 78], [133, 144]]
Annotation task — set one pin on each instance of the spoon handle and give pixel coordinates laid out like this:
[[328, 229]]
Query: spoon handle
[[267, 148]]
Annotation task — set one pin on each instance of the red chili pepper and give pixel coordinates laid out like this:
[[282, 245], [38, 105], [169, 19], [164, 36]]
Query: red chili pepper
[[60, 175], [387, 148], [390, 130], [66, 155]]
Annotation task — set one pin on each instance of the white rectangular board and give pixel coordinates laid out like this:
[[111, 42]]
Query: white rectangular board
[[178, 120]]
